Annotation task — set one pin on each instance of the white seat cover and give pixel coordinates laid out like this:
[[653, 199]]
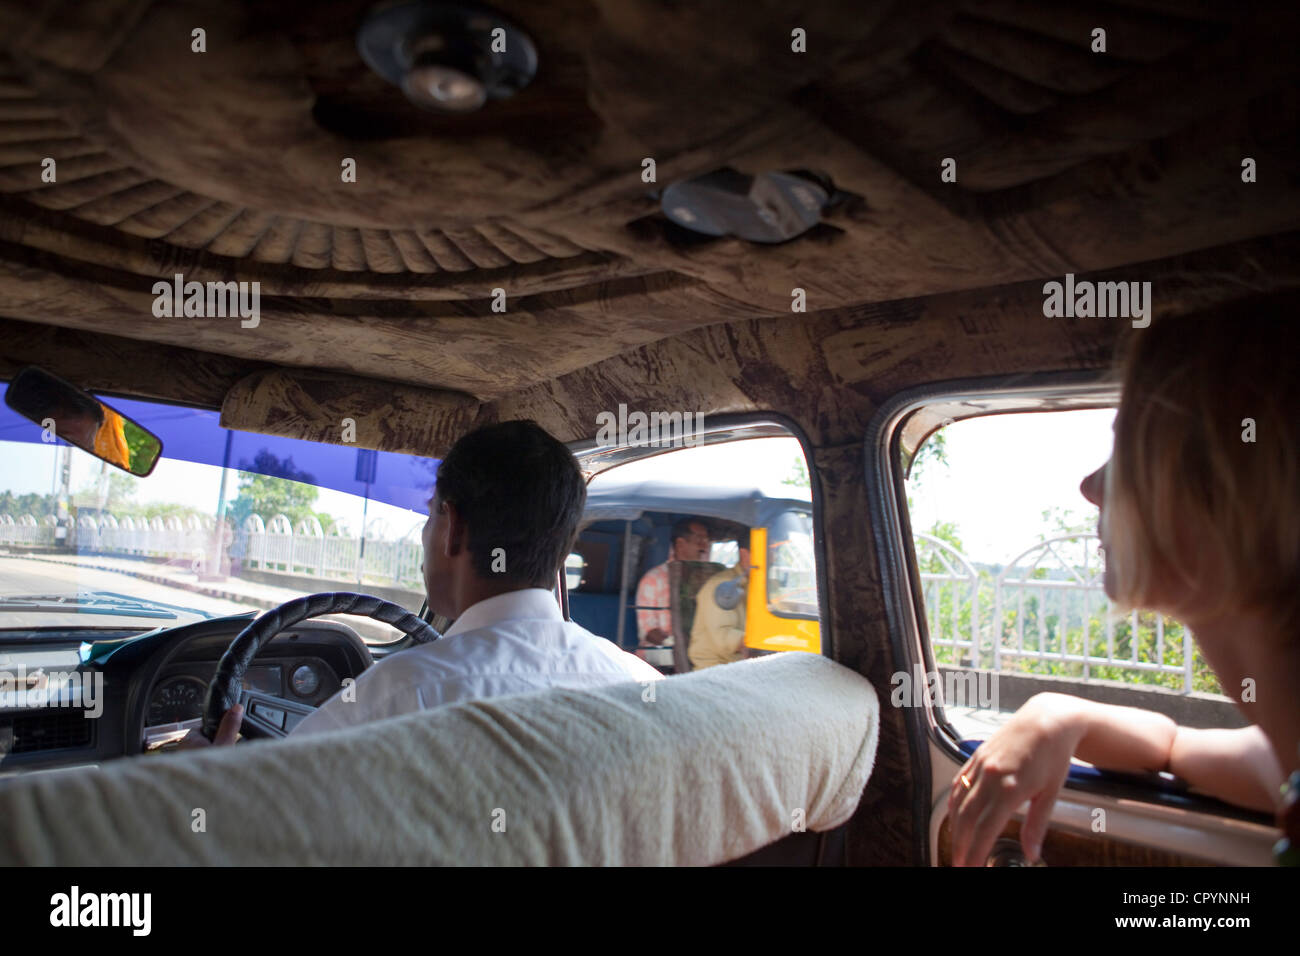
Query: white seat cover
[[718, 764]]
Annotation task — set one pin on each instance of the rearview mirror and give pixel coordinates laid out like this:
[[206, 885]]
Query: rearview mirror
[[81, 419]]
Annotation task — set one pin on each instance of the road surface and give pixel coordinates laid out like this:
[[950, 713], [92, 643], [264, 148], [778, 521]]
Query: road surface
[[21, 575]]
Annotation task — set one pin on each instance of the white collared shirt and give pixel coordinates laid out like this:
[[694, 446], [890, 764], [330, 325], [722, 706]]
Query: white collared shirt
[[513, 643]]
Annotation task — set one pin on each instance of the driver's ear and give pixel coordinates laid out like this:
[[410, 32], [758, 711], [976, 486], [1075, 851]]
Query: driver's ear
[[455, 541]]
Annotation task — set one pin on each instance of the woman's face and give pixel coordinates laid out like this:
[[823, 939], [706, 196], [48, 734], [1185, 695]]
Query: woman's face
[[1165, 593], [1093, 488]]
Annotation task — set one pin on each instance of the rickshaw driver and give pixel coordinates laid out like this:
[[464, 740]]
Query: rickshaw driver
[[503, 517]]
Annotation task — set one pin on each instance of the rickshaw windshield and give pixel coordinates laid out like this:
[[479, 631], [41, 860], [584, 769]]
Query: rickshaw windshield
[[791, 566]]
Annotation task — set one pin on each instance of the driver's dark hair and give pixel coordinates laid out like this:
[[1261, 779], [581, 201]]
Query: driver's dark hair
[[518, 489]]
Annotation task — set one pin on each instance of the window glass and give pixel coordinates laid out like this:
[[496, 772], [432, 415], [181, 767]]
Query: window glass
[[680, 547], [1011, 571], [227, 522], [791, 566]]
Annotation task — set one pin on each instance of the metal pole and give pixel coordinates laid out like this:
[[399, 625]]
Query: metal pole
[[361, 559], [622, 586], [64, 535], [218, 531]]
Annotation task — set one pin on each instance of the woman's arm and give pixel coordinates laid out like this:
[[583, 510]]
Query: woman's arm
[[1029, 758], [1236, 765], [1117, 738]]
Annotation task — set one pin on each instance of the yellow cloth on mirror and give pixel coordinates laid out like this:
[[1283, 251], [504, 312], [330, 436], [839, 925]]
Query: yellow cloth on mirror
[[110, 440]]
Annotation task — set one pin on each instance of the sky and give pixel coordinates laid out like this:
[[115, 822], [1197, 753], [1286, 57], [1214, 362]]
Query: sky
[[1002, 473], [762, 461], [29, 467], [1004, 470]]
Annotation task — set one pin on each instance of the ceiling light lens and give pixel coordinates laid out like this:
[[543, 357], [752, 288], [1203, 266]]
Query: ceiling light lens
[[444, 88]]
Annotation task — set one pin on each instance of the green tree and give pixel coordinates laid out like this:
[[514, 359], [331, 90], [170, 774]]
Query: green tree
[[29, 504], [1066, 521], [933, 452], [121, 489], [141, 447], [270, 486], [798, 476], [166, 509]]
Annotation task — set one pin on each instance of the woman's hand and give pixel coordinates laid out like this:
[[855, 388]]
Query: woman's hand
[[1027, 759]]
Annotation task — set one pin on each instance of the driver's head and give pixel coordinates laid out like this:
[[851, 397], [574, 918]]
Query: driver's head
[[504, 515]]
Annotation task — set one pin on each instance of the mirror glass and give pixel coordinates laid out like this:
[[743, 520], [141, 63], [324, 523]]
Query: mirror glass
[[80, 419]]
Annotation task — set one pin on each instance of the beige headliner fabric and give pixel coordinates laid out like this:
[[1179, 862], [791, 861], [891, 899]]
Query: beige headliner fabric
[[715, 767]]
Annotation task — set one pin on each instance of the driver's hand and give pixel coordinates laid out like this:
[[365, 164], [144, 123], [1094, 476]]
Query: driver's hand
[[656, 635], [227, 731]]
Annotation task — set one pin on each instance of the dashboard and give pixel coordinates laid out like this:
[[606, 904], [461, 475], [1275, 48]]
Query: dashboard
[[178, 694], [140, 690]]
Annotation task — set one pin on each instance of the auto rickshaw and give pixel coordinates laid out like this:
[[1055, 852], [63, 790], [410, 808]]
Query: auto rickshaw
[[626, 533]]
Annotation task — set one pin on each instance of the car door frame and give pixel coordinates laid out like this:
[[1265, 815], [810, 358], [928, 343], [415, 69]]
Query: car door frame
[[1139, 812]]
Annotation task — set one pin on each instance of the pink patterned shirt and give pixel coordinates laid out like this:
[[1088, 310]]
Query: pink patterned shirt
[[653, 592]]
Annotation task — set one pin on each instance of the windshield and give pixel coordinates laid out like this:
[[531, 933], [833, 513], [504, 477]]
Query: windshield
[[792, 566], [228, 522]]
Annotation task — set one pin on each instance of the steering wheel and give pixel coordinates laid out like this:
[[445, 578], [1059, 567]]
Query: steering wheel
[[266, 715]]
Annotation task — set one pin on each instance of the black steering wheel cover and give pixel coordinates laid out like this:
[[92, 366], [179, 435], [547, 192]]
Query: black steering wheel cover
[[224, 691]]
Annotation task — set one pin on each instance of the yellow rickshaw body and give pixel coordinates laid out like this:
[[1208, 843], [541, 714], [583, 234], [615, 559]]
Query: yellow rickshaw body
[[766, 630]]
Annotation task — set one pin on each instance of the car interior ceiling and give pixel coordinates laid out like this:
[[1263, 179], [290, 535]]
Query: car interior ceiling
[[517, 263]]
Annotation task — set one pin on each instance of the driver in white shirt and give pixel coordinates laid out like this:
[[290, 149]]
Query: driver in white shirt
[[503, 517]]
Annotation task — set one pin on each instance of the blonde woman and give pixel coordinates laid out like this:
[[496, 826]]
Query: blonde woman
[[1200, 519]]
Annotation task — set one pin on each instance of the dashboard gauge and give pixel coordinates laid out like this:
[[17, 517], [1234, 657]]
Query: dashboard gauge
[[306, 681], [176, 699]]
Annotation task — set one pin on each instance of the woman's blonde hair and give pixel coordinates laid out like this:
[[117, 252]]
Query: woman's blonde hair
[[1203, 489]]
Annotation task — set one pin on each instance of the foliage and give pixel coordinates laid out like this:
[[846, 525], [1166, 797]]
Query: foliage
[[798, 476], [270, 486], [29, 504], [140, 446], [1050, 620], [933, 452], [1067, 521], [120, 488], [162, 509]]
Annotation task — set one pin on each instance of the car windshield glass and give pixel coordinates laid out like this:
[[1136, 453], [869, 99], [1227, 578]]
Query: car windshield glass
[[228, 522]]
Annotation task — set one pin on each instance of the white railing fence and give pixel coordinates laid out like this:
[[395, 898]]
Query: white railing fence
[[277, 546], [1046, 612]]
